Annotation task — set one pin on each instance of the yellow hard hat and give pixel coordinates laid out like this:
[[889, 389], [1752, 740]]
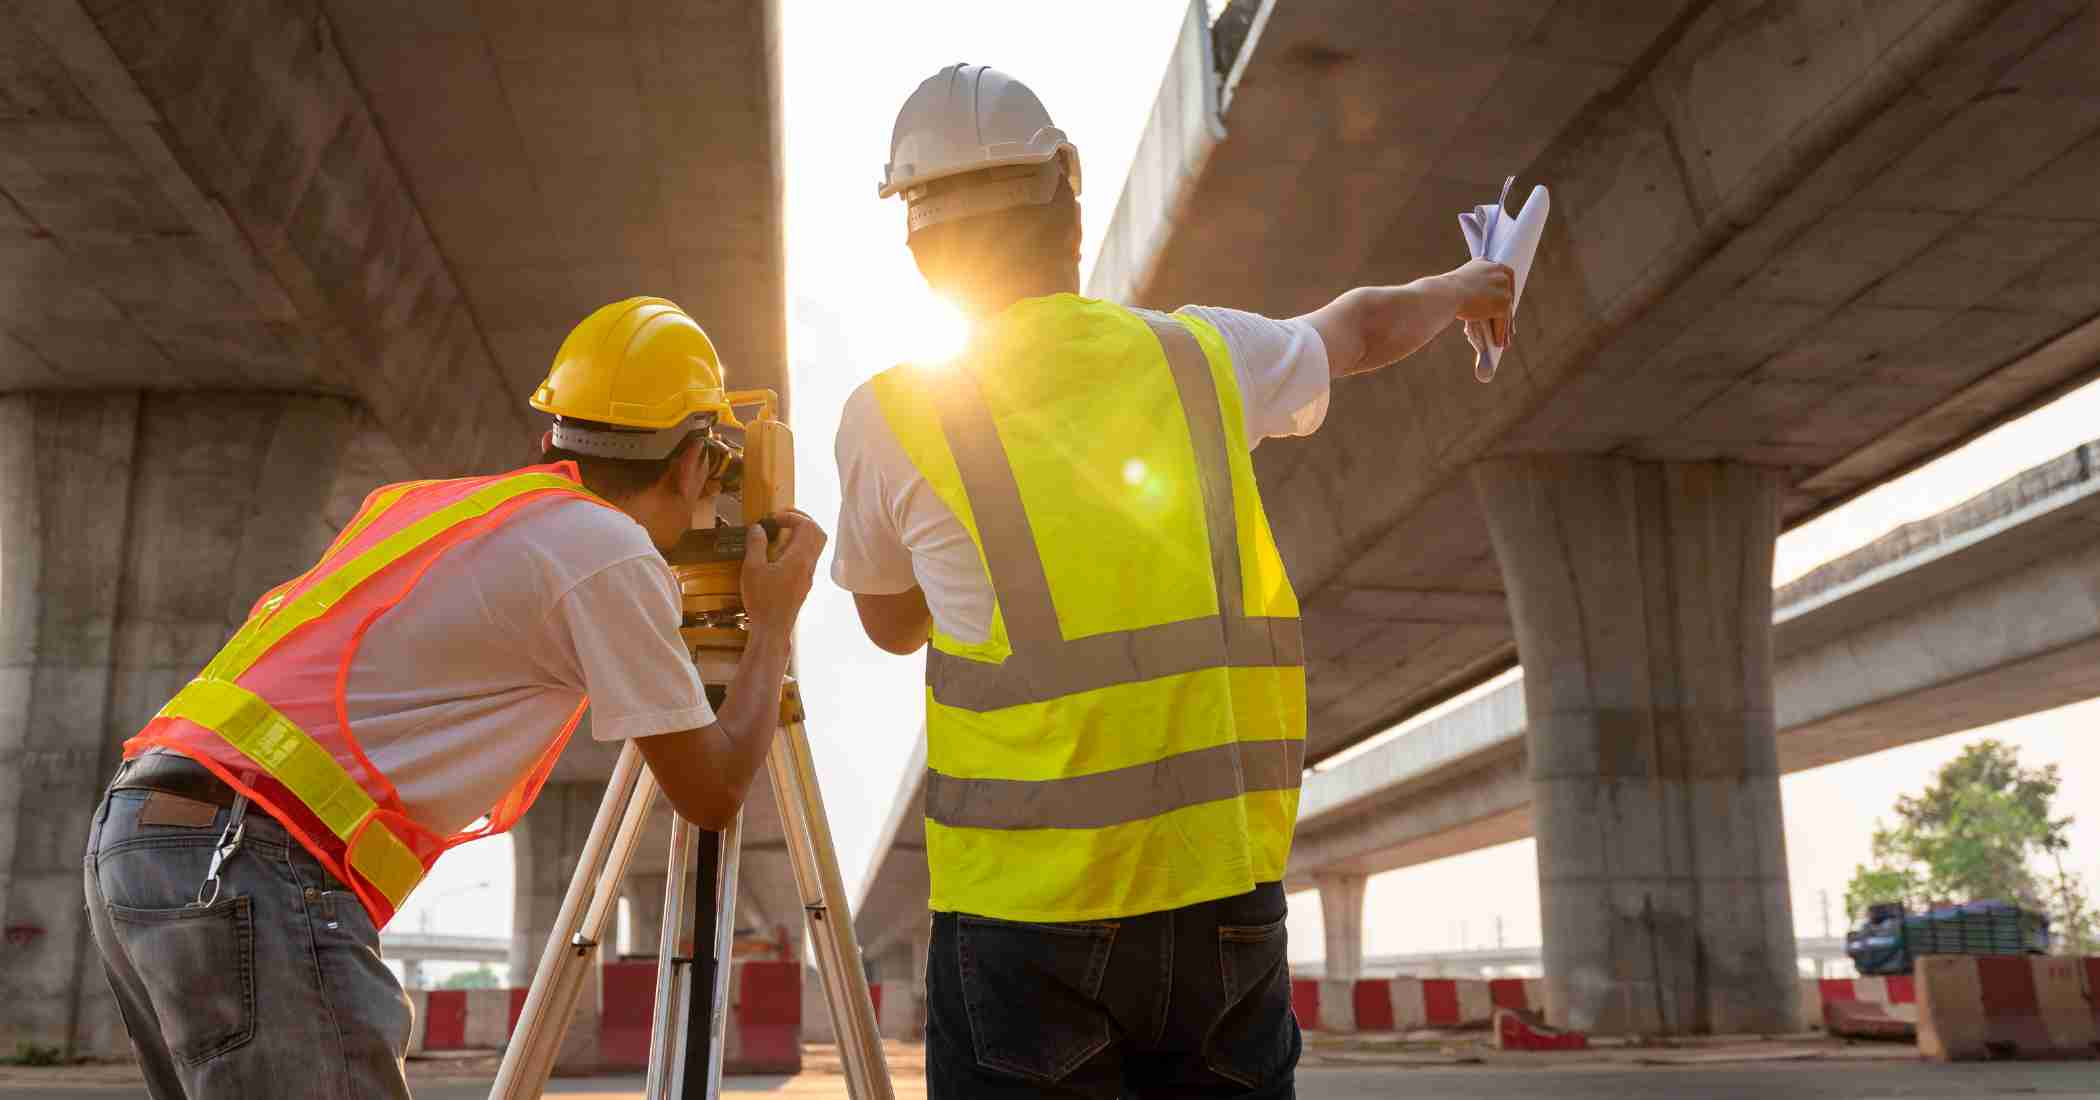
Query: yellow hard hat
[[640, 367]]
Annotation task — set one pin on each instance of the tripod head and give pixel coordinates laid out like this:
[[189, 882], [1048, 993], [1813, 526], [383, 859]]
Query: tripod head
[[709, 563]]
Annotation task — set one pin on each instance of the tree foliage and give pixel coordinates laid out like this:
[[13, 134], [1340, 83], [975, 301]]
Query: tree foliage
[[1977, 832], [481, 978]]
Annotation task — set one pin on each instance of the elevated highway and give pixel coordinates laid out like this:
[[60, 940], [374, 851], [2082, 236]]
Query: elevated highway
[[257, 258], [1983, 613], [1980, 614], [1797, 249]]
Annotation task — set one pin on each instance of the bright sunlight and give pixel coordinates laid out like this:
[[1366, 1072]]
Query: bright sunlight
[[919, 326]]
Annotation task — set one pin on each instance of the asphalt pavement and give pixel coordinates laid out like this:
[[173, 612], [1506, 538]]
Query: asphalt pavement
[[1792, 1080]]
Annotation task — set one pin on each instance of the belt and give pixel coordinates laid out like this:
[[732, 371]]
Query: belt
[[172, 774]]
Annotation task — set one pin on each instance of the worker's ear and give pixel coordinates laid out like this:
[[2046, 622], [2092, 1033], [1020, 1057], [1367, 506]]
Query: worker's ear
[[690, 470], [546, 442]]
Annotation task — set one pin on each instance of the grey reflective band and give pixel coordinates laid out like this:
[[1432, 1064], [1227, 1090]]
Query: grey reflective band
[[1115, 797], [637, 444], [1044, 664]]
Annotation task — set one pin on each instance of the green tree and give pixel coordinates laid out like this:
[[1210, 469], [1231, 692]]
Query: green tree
[[1975, 833], [482, 978]]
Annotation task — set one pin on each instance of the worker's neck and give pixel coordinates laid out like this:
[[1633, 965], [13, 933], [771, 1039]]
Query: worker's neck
[[991, 297], [661, 511]]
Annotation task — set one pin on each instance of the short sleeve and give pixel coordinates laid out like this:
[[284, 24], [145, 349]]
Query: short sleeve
[[1281, 367], [623, 621], [868, 553]]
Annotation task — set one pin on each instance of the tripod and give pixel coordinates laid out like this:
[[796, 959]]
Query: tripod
[[691, 1016]]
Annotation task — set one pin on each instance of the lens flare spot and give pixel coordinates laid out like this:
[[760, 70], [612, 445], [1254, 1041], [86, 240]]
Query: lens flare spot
[[1134, 472]]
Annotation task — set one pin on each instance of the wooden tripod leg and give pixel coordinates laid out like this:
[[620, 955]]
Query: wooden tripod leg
[[572, 947], [675, 962], [830, 916]]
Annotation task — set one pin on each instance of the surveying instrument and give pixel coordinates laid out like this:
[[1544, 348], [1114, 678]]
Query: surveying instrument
[[690, 1022]]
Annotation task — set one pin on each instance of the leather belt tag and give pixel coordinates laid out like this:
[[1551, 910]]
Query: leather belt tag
[[162, 808]]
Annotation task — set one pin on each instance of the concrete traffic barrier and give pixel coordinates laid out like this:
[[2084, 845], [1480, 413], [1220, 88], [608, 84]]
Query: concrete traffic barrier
[[1979, 1007], [1408, 1004], [1520, 1029], [764, 1034], [1868, 1008]]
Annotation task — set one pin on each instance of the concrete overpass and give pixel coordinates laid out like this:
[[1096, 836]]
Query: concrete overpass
[[1980, 614], [257, 258], [1797, 250]]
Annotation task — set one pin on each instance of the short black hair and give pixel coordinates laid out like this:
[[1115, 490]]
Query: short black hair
[[619, 478], [1021, 240]]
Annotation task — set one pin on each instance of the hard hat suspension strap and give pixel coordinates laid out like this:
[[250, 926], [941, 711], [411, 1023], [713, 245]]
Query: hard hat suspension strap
[[985, 192], [628, 443]]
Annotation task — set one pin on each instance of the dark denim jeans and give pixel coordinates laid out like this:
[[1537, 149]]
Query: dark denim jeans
[[1192, 1002], [275, 989]]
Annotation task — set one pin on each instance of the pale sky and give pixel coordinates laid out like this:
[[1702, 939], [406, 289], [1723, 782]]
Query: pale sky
[[857, 306]]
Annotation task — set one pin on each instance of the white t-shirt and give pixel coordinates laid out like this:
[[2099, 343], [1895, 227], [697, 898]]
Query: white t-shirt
[[456, 692], [894, 531]]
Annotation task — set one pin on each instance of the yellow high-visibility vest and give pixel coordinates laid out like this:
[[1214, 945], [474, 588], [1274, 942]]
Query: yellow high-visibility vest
[[1130, 737]]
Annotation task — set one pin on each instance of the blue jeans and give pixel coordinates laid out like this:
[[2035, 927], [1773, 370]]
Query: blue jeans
[[273, 989], [1191, 1002]]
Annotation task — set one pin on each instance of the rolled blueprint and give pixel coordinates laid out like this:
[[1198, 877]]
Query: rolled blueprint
[[1494, 235]]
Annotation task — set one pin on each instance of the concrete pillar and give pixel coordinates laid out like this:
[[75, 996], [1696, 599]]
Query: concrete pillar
[[546, 845], [644, 894], [766, 877], [1642, 599], [1342, 917], [135, 531], [412, 974]]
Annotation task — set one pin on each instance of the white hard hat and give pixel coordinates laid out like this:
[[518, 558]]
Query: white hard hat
[[974, 118]]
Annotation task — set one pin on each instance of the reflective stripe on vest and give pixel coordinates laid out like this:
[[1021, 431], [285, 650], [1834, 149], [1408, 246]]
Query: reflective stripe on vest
[[278, 746], [283, 750], [1045, 665]]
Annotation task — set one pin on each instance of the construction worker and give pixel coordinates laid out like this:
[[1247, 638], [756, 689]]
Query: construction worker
[[411, 692], [1115, 712]]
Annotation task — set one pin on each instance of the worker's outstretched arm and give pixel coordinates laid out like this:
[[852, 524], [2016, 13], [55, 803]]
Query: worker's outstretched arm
[[707, 772], [1375, 326]]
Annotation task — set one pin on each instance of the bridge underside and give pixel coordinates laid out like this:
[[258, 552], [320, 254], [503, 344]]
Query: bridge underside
[[258, 257]]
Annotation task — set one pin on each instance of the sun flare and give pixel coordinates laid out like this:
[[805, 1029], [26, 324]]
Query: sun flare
[[919, 326]]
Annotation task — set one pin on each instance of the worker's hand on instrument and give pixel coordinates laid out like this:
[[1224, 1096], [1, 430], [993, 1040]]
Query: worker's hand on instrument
[[1485, 291], [776, 584]]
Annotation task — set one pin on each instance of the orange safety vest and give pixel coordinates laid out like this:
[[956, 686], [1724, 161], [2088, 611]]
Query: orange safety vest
[[251, 715]]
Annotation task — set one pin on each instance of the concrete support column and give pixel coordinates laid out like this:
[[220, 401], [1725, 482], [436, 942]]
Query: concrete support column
[[895, 968], [766, 877], [1342, 917], [135, 532], [412, 974], [1642, 600], [546, 846], [644, 894]]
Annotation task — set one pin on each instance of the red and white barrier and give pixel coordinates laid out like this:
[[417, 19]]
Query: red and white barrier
[[765, 1019], [1867, 1008], [1409, 1004], [1978, 1007], [1519, 1030]]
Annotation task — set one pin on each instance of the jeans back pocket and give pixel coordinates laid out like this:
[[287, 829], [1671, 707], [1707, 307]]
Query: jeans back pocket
[[1032, 991], [1254, 1040], [198, 966]]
